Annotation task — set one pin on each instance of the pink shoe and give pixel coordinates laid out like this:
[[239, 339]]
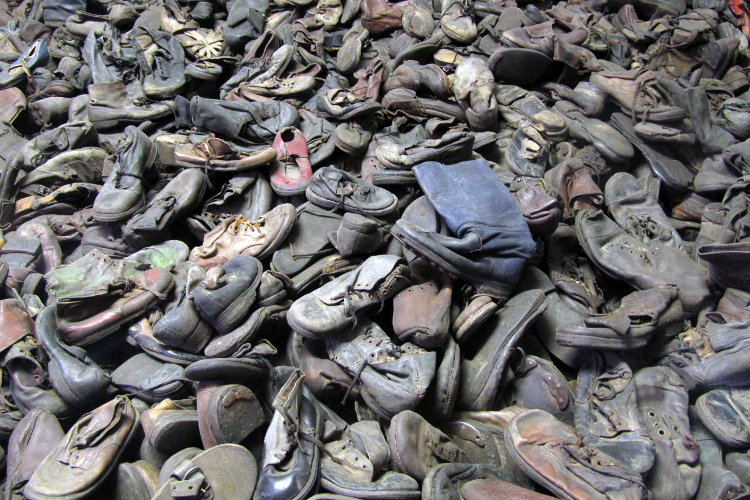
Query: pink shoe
[[291, 171]]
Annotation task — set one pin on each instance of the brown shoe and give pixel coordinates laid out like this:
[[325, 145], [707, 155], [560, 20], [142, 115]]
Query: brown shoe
[[554, 456], [16, 322], [227, 413], [380, 15], [416, 446], [421, 313], [30, 442], [148, 288], [87, 455], [236, 236]]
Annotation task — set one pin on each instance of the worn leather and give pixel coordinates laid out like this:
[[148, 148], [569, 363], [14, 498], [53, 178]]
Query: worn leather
[[663, 403], [89, 452], [392, 378], [335, 306]]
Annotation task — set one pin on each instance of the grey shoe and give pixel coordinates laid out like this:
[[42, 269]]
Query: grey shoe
[[336, 305], [392, 378], [334, 188], [606, 412], [123, 193]]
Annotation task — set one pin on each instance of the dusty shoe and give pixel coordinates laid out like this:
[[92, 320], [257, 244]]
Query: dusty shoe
[[642, 266], [421, 313], [725, 413], [607, 414], [178, 199], [258, 238], [110, 427], [123, 193], [637, 212], [358, 235], [416, 446], [228, 291], [663, 403], [336, 305], [392, 378], [640, 315], [291, 171], [334, 188], [554, 455], [473, 87], [482, 371]]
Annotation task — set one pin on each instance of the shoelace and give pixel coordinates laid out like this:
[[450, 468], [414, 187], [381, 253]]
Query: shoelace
[[343, 190], [254, 226], [119, 175], [393, 351]]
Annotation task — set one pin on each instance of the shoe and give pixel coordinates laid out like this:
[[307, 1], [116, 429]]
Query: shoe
[[123, 193], [291, 469], [663, 403], [291, 171], [456, 22], [609, 247], [629, 90], [307, 239], [336, 306], [112, 104], [336, 189], [227, 413], [421, 313], [227, 471], [226, 295], [416, 446], [609, 418], [75, 376], [473, 87], [170, 425], [358, 235], [638, 213], [392, 378], [640, 316], [217, 155], [82, 323], [35, 57], [413, 76], [111, 427], [28, 445], [179, 198], [489, 252], [482, 372], [725, 413], [234, 236], [554, 455], [245, 122], [538, 384]]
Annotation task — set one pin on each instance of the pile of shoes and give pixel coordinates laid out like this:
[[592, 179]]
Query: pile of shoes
[[355, 249]]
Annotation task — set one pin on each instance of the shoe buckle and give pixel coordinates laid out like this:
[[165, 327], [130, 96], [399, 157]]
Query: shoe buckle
[[194, 488]]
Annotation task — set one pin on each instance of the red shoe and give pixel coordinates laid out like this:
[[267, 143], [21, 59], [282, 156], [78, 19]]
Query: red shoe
[[741, 10], [291, 171]]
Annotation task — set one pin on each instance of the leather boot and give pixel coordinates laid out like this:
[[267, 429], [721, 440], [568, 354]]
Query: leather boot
[[123, 193]]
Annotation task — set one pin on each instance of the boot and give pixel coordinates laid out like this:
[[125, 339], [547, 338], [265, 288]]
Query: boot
[[123, 192], [493, 240]]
